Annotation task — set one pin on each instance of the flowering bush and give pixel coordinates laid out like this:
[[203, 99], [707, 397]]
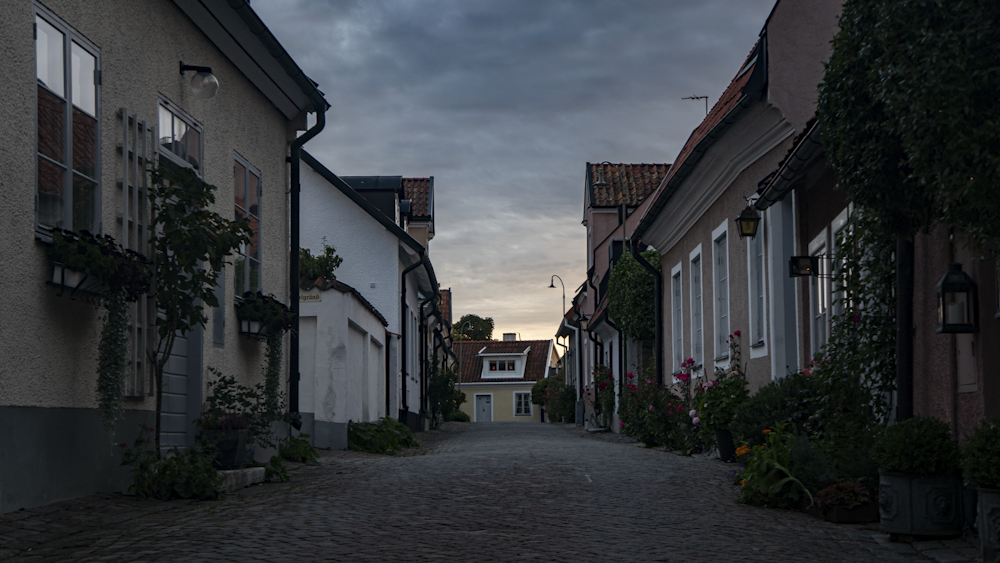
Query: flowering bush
[[601, 395], [724, 395], [647, 412]]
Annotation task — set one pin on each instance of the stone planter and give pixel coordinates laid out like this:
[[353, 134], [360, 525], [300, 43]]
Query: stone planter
[[727, 450], [989, 523], [233, 448], [920, 506]]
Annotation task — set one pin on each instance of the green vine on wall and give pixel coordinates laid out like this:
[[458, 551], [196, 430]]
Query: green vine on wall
[[113, 360], [630, 296]]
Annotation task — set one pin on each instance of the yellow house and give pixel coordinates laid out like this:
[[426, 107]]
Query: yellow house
[[497, 377]]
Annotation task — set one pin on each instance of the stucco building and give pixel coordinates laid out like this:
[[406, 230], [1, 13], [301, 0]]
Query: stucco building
[[497, 377]]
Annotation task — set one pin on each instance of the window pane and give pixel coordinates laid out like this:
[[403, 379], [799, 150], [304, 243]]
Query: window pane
[[165, 126], [84, 91], [254, 275], [51, 125], [49, 57], [192, 148], [239, 281], [239, 178], [51, 178], [177, 146], [254, 249], [84, 143], [84, 204], [253, 190], [493, 366]]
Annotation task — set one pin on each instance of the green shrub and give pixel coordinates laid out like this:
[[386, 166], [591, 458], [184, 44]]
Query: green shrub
[[187, 474], [648, 413], [558, 398], [319, 266], [459, 416], [981, 456], [920, 446], [442, 392], [298, 449], [720, 401], [539, 390], [789, 401], [387, 436], [768, 479]]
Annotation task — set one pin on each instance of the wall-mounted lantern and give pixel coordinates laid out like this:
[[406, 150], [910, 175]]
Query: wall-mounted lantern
[[958, 302], [799, 266], [747, 222], [204, 84]]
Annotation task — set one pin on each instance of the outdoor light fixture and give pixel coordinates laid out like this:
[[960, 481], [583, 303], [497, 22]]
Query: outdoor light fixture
[[204, 85], [552, 285], [747, 222], [958, 302], [799, 266]]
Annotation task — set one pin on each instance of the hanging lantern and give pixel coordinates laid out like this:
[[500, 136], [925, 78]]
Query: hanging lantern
[[747, 222], [958, 302]]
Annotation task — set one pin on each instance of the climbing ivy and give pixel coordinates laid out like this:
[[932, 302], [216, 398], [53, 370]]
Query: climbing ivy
[[909, 114], [630, 296]]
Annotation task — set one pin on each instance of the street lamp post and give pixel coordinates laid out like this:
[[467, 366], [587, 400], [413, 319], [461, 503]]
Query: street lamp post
[[462, 329], [552, 285]]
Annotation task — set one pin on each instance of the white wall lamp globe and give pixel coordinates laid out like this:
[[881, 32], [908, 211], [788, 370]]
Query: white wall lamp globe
[[204, 84]]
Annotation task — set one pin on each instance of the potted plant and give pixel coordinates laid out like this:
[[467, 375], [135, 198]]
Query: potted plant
[[260, 315], [847, 502], [920, 487], [981, 468], [718, 408], [233, 420]]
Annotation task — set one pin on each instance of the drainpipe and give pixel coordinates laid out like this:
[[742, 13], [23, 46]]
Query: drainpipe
[[402, 325], [658, 311], [293, 268], [423, 358]]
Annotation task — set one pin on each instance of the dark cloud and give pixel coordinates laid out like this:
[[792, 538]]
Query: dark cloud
[[503, 102]]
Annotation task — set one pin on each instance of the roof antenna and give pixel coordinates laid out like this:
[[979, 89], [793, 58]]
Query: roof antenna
[[698, 98]]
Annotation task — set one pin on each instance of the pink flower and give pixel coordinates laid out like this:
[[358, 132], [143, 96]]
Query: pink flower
[[736, 332], [855, 317], [693, 413], [712, 383], [631, 375], [650, 408], [648, 381], [622, 424], [696, 420], [684, 376], [680, 407]]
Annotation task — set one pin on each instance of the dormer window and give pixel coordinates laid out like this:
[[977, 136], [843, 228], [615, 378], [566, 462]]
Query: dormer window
[[501, 365]]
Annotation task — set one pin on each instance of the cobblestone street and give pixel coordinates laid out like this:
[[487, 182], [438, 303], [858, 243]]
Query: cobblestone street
[[472, 492]]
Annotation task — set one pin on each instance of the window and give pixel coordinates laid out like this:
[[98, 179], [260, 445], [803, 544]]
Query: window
[[522, 404], [819, 295], [676, 320], [721, 248], [67, 185], [510, 365], [755, 252], [697, 323], [180, 138], [493, 365], [248, 191]]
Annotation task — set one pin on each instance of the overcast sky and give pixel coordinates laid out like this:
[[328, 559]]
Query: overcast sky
[[503, 102]]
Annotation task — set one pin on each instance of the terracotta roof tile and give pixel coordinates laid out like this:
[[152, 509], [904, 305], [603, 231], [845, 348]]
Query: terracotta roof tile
[[418, 191], [640, 181], [471, 365]]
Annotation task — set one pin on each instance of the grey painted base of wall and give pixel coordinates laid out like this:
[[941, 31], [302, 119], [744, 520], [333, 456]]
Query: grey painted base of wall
[[53, 454], [324, 434]]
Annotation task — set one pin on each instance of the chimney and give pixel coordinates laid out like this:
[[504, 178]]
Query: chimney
[[510, 337]]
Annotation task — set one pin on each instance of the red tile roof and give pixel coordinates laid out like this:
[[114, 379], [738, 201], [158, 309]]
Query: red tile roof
[[471, 365], [640, 181], [418, 191]]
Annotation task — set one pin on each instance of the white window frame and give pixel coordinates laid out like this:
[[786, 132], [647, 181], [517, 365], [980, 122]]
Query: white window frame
[[165, 104], [677, 317], [757, 296], [527, 401], [819, 295], [242, 250], [697, 292], [70, 37], [720, 292]]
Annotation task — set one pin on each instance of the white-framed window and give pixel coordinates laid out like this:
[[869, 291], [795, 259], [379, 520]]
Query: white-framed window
[[180, 137], [247, 186], [841, 225], [819, 295], [503, 365], [755, 273], [720, 271], [697, 310], [68, 131], [522, 404], [676, 317]]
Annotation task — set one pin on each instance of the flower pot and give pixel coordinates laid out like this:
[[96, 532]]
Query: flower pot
[[727, 450], [920, 506], [989, 523], [233, 448]]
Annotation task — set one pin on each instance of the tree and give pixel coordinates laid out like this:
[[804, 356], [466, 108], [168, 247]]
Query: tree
[[190, 244], [477, 328], [631, 301], [910, 122], [442, 394]]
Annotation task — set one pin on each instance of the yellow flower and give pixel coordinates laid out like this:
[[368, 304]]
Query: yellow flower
[[767, 431], [742, 450]]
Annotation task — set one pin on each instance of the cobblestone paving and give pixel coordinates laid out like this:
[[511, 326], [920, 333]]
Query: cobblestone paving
[[472, 492]]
